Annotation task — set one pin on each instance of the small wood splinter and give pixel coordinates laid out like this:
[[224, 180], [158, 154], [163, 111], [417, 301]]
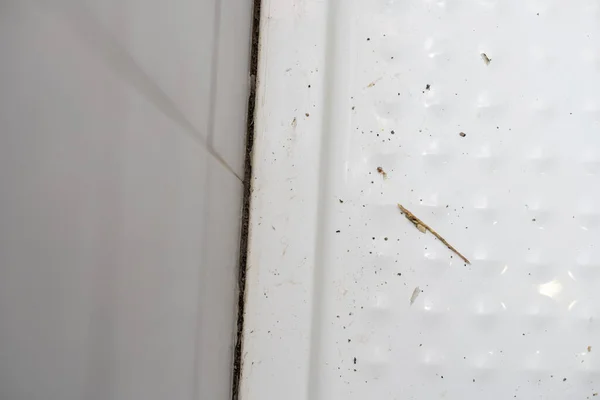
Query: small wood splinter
[[423, 227]]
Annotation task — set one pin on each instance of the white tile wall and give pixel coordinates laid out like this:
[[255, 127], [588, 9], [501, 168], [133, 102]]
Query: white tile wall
[[119, 231], [221, 244]]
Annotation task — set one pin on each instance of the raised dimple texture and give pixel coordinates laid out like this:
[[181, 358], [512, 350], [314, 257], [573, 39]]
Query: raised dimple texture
[[484, 116]]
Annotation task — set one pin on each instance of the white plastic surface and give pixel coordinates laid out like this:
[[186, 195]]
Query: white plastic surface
[[119, 226], [346, 87]]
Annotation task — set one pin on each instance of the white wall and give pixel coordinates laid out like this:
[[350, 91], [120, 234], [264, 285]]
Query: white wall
[[122, 128]]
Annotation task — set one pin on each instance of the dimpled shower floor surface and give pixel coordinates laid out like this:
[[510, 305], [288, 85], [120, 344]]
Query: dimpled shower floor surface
[[482, 119]]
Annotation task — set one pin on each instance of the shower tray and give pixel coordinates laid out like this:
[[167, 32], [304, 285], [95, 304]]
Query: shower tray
[[482, 120]]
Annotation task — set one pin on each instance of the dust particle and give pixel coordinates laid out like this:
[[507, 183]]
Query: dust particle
[[486, 59], [589, 349], [307, 114], [382, 172], [462, 134], [415, 294], [294, 122], [370, 85]]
